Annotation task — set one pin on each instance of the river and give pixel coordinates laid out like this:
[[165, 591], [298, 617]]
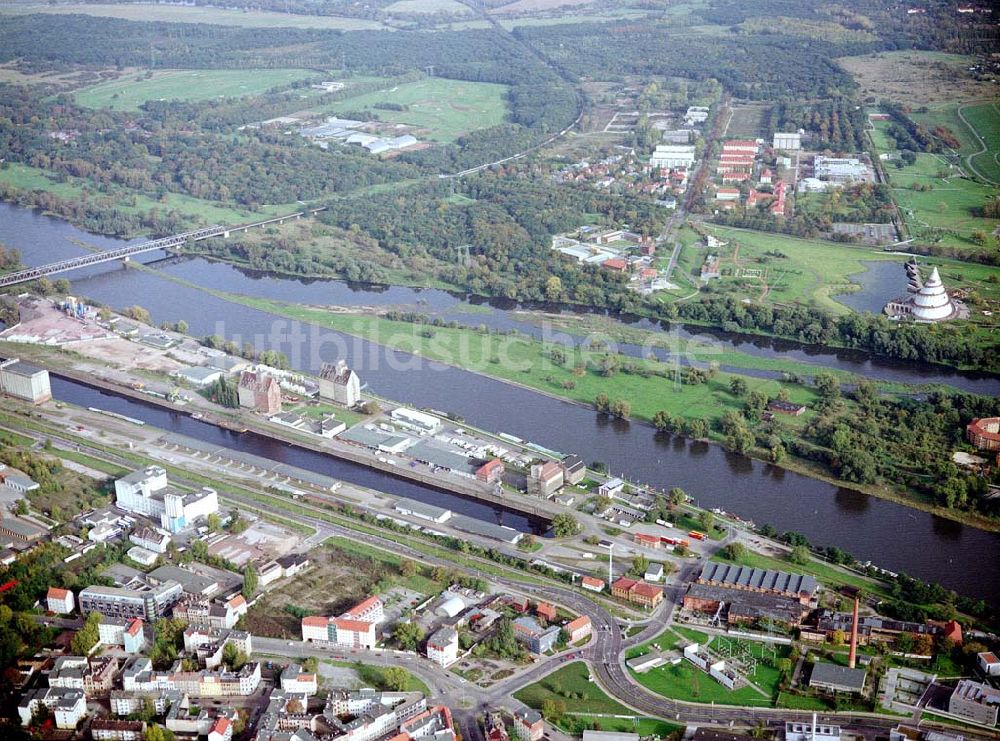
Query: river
[[891, 535]]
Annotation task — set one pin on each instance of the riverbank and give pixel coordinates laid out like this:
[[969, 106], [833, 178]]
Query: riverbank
[[527, 363]]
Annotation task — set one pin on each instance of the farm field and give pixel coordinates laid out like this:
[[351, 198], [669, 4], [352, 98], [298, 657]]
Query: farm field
[[130, 91], [187, 14], [446, 108]]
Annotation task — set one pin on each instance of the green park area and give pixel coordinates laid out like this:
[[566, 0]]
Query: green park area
[[572, 701], [936, 199], [445, 108], [131, 90]]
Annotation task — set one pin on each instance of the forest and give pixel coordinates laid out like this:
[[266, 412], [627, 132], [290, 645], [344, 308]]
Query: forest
[[835, 124]]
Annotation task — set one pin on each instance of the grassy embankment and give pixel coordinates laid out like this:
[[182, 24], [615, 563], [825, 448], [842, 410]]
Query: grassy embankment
[[522, 360]]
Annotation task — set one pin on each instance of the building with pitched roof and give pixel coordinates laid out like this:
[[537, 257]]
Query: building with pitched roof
[[339, 383], [259, 391]]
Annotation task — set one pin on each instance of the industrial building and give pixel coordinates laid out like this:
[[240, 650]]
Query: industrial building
[[545, 479], [339, 383], [415, 420], [788, 141], [837, 678], [841, 170], [147, 492], [413, 508], [259, 391], [768, 581], [670, 156], [24, 381]]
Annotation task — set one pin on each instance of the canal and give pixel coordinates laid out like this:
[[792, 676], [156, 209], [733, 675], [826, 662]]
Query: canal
[[893, 536]]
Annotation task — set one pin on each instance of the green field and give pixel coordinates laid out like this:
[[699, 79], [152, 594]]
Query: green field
[[571, 683], [687, 682], [522, 360], [813, 271], [984, 118], [587, 705], [130, 91], [24, 177], [186, 14], [446, 108], [935, 199]]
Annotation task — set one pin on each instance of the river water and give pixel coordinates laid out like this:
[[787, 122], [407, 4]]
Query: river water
[[892, 536]]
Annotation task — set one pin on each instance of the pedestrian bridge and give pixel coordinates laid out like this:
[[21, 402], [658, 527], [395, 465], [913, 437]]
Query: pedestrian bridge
[[124, 253]]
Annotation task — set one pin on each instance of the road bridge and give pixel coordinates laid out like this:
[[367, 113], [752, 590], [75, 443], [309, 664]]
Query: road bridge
[[124, 253]]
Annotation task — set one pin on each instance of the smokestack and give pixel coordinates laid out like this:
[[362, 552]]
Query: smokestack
[[852, 659]]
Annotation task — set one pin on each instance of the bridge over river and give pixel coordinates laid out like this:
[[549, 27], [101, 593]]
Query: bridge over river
[[124, 253]]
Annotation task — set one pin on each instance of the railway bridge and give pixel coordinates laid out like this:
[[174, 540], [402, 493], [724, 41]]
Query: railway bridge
[[124, 253]]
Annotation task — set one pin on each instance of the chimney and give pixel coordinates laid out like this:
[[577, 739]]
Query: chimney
[[852, 659]]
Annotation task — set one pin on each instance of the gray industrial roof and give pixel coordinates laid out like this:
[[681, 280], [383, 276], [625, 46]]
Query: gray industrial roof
[[837, 676], [764, 579], [422, 509], [20, 368], [487, 529]]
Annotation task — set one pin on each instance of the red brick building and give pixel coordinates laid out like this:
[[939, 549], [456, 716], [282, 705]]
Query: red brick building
[[637, 592]]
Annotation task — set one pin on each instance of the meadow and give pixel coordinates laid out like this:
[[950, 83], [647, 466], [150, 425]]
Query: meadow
[[130, 91], [525, 361], [936, 201], [445, 108]]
